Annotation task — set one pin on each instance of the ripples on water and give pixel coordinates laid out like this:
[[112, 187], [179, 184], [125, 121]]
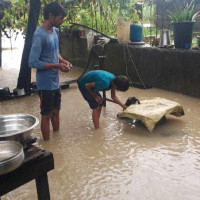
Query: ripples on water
[[121, 160]]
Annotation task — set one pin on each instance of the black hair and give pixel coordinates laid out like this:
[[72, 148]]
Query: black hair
[[121, 82], [55, 9]]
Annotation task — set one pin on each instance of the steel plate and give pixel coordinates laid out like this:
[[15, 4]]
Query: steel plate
[[11, 156]]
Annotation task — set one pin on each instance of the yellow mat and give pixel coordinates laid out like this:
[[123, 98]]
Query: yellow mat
[[151, 111]]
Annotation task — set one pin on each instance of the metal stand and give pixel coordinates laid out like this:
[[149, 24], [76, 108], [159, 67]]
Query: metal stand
[[99, 53]]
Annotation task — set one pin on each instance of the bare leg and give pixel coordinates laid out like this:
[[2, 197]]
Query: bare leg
[[96, 115], [45, 126], [55, 119]]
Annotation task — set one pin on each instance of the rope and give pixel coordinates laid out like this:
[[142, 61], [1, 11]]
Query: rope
[[133, 66], [126, 65]]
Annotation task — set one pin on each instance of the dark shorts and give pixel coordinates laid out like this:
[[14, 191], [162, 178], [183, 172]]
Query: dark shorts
[[49, 100], [91, 101]]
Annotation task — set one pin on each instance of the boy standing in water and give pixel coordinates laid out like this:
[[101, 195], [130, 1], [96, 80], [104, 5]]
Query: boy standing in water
[[99, 80], [45, 57]]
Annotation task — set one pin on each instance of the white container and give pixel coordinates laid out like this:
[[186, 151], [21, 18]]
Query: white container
[[123, 30]]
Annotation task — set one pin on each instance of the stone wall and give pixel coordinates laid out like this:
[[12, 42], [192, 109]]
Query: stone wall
[[169, 69]]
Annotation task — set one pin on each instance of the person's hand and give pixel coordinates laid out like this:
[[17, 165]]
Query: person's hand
[[64, 68], [124, 107], [68, 64], [99, 100]]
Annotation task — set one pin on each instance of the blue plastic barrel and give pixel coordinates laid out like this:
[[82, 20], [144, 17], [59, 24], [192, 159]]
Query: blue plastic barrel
[[136, 32]]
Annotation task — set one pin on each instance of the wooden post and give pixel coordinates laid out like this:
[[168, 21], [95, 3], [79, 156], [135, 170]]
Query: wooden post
[[42, 187], [24, 78], [104, 98], [0, 47]]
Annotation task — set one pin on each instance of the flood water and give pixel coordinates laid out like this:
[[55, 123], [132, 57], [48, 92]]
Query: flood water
[[121, 160]]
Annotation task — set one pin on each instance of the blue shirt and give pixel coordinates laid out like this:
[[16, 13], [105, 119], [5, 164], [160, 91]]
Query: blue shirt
[[45, 49], [101, 78]]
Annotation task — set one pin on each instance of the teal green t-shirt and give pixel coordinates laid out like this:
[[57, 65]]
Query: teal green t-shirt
[[101, 78]]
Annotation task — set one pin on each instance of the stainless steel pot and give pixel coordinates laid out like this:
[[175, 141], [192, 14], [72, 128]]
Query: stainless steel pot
[[165, 39], [17, 127], [11, 156]]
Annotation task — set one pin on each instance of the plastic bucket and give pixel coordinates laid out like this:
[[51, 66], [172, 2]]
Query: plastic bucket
[[136, 32], [183, 34]]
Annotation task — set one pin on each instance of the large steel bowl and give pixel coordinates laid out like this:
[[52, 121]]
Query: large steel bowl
[[17, 127], [11, 156]]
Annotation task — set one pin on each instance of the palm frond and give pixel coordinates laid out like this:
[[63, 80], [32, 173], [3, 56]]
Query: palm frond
[[184, 13]]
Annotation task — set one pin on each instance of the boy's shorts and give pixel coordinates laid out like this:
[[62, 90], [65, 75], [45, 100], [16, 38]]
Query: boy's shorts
[[91, 101], [49, 100]]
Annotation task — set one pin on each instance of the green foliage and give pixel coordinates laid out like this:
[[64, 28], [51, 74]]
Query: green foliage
[[16, 16], [101, 14], [149, 14], [98, 14], [185, 13]]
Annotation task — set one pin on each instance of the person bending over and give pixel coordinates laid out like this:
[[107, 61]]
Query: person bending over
[[45, 57], [99, 80]]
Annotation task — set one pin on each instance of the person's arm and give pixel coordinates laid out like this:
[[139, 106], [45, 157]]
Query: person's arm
[[116, 100], [35, 52], [35, 61], [89, 87], [61, 66]]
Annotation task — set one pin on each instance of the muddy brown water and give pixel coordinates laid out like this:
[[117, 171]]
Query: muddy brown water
[[121, 160]]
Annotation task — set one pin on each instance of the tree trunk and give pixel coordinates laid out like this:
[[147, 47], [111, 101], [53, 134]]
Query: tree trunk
[[0, 45], [24, 78]]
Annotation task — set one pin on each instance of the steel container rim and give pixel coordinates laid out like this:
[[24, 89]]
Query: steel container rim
[[23, 131], [11, 163]]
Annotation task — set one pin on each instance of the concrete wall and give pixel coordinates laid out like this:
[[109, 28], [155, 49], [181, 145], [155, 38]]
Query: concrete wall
[[169, 69]]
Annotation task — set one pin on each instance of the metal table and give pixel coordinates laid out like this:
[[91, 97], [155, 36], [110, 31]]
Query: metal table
[[36, 164]]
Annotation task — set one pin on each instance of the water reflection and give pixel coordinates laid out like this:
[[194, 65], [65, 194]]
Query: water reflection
[[118, 161]]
